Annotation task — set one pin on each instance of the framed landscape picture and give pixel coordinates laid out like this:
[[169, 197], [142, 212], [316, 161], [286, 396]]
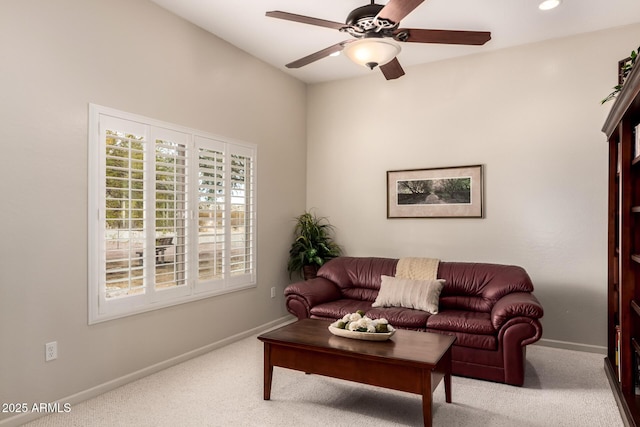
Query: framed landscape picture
[[451, 192]]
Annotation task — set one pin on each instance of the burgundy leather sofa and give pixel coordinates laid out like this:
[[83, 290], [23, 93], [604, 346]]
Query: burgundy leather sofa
[[490, 309]]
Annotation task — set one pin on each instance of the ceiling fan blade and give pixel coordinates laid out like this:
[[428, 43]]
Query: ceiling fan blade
[[318, 55], [475, 38], [392, 69], [304, 19], [396, 10]]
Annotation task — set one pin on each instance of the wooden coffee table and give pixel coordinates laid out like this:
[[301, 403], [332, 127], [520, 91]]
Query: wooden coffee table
[[410, 361]]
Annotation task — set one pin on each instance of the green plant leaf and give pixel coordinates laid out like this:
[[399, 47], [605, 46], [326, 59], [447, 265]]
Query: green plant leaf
[[313, 243], [626, 70]]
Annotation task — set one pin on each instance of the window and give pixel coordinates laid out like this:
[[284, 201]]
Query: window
[[171, 214]]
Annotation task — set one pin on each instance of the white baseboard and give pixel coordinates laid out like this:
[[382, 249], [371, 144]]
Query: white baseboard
[[567, 345], [23, 418]]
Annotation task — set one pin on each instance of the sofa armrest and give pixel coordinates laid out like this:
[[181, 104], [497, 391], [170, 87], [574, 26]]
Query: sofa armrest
[[301, 296], [517, 304]]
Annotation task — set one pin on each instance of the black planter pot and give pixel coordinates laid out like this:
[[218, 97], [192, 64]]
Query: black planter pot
[[309, 271]]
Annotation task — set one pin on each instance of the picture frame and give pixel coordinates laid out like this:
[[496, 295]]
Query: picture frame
[[447, 192]]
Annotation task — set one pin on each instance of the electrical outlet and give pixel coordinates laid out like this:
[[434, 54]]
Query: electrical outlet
[[50, 351], [273, 292]]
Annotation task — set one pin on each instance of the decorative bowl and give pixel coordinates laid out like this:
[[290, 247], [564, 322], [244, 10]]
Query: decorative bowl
[[367, 336]]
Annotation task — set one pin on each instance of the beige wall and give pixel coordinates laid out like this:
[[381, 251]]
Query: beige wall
[[57, 57], [532, 116]]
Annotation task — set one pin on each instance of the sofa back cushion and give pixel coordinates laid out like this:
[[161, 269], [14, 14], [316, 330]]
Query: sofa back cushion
[[477, 286], [358, 278], [468, 286]]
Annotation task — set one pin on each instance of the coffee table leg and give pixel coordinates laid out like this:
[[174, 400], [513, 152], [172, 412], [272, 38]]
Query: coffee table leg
[[268, 371], [447, 387], [427, 397], [447, 376]]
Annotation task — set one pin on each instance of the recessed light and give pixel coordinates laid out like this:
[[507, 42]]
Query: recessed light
[[549, 4]]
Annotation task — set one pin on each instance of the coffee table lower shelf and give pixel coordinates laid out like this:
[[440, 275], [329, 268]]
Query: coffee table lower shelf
[[397, 364]]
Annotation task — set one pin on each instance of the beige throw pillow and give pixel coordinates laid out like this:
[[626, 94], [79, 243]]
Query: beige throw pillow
[[408, 293]]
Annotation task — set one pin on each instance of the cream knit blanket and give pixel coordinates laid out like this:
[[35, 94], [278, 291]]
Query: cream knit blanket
[[418, 268]]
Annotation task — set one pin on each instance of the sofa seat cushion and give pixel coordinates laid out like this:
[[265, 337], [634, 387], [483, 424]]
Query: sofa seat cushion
[[471, 322], [337, 309], [400, 317], [483, 342]]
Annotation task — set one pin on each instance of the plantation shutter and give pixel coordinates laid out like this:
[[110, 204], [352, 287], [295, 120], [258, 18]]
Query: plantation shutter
[[171, 215], [212, 195], [242, 214], [226, 215], [122, 212], [171, 236]]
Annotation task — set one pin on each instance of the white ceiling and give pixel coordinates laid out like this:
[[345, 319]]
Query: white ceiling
[[512, 22]]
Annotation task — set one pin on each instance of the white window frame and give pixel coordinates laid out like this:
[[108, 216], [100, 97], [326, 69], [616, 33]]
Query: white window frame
[[103, 307]]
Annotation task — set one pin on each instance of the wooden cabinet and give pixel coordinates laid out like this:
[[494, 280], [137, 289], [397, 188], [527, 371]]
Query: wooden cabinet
[[623, 347]]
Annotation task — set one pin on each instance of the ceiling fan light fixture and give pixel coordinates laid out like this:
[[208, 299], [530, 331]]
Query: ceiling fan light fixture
[[549, 4], [372, 51]]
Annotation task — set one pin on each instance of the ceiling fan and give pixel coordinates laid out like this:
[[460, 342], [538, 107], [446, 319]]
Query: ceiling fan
[[370, 26]]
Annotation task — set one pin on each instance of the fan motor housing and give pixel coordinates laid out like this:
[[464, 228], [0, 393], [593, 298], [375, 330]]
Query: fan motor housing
[[368, 11], [361, 21]]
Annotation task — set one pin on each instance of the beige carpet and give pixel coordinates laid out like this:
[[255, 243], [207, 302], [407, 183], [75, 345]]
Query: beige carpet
[[224, 388]]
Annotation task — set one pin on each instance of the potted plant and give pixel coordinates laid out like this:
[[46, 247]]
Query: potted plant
[[312, 246]]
